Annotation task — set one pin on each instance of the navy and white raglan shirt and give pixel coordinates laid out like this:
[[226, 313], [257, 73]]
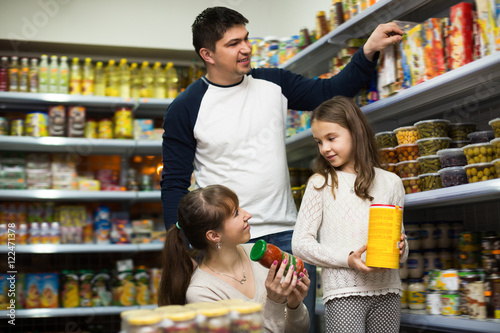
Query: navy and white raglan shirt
[[235, 136]]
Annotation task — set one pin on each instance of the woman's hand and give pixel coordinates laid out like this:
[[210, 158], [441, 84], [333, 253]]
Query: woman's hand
[[277, 290], [300, 291], [355, 262], [402, 244]]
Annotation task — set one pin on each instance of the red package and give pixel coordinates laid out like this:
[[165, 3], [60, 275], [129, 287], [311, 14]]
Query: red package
[[460, 35]]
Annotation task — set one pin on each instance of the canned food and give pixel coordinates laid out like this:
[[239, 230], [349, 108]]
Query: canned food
[[450, 302], [464, 281], [433, 302], [476, 304], [4, 126], [124, 127], [444, 280], [36, 124], [105, 129], [17, 127], [492, 295], [90, 131]]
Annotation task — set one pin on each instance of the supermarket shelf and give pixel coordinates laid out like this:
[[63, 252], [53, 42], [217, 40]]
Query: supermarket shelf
[[445, 95], [79, 146], [74, 312], [455, 195], [149, 196], [314, 59], [104, 104], [67, 195], [84, 248]]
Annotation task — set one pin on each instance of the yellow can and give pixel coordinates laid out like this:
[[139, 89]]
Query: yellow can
[[105, 129], [36, 124], [124, 124], [384, 234], [90, 131]]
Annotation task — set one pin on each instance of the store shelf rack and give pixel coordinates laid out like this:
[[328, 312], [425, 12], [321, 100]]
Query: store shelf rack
[[75, 195], [85, 248], [449, 95], [74, 312], [80, 146], [104, 104], [313, 60]]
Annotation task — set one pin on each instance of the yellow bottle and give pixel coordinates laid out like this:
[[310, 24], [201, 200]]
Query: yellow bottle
[[147, 80], [99, 80], [75, 80], [88, 78], [53, 75], [124, 79], [135, 81], [24, 75], [111, 79], [43, 74], [159, 81], [172, 80]]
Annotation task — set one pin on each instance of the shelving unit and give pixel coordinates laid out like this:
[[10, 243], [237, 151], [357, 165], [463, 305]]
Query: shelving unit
[[84, 248]]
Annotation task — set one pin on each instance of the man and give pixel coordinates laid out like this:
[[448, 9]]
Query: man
[[232, 124]]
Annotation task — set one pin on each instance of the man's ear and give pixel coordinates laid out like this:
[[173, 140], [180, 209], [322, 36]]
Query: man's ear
[[207, 56]]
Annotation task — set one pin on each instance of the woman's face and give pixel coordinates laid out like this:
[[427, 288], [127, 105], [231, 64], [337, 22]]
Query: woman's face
[[236, 227]]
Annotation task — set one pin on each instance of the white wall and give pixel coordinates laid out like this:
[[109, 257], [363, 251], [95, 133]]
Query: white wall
[[164, 24]]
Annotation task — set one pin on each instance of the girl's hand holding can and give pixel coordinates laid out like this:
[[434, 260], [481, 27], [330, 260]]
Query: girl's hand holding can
[[402, 244], [355, 262]]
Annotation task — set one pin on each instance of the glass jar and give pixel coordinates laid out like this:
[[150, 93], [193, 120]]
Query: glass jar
[[431, 260], [416, 294], [428, 234], [266, 254], [412, 231], [415, 264], [443, 235], [213, 317], [246, 316], [147, 321], [404, 294], [177, 318], [445, 259]]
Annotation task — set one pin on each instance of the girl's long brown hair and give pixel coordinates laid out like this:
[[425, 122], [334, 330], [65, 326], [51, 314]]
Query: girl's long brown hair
[[199, 211], [344, 112]]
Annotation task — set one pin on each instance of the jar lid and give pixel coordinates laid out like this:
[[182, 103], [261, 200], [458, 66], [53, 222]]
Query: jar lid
[[211, 309], [148, 317], [258, 250], [177, 312], [432, 121], [493, 121], [246, 307]]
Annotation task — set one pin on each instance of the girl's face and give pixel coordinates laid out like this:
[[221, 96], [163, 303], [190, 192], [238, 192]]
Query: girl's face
[[236, 228], [335, 144]]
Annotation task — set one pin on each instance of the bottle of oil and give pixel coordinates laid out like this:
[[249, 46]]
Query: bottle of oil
[[14, 74], [336, 14], [135, 81], [172, 80], [4, 74], [111, 79], [33, 75], [53, 75], [64, 76], [43, 74], [24, 70], [75, 81], [99, 80], [322, 27], [159, 87], [124, 79], [147, 80], [88, 78]]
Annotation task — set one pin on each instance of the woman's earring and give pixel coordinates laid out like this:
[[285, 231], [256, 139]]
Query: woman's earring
[[218, 245]]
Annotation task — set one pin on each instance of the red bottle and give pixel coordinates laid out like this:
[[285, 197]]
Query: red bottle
[[4, 74], [266, 254]]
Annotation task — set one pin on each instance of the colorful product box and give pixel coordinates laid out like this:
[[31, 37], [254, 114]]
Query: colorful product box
[[461, 48], [487, 26], [413, 47], [434, 49], [143, 129], [42, 290]]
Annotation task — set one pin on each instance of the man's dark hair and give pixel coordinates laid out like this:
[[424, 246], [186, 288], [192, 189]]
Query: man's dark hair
[[211, 25]]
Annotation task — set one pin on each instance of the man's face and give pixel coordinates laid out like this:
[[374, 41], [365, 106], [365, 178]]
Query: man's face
[[231, 57]]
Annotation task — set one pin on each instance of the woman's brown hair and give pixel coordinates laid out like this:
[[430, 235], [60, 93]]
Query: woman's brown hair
[[199, 211], [344, 112]]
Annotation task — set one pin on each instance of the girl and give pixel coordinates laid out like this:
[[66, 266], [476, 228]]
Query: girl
[[212, 221], [332, 225]]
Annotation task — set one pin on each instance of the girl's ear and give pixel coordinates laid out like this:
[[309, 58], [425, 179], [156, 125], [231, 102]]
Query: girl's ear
[[207, 56]]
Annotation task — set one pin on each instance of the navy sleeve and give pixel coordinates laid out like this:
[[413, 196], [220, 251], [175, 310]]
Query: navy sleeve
[[178, 149], [306, 94]]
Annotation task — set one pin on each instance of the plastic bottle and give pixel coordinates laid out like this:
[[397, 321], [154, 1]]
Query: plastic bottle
[[159, 81], [336, 14], [33, 75], [64, 75], [43, 74], [75, 80], [171, 80], [124, 79], [4, 74], [99, 80], [24, 75], [135, 81], [147, 80], [53, 75], [88, 78], [322, 27], [14, 74], [111, 79]]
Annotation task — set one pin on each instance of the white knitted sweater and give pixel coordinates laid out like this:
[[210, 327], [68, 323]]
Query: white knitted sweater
[[328, 229]]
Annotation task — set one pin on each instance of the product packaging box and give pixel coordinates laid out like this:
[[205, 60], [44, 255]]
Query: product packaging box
[[413, 46], [434, 50], [57, 120], [42, 290], [461, 48], [76, 121], [487, 26]]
